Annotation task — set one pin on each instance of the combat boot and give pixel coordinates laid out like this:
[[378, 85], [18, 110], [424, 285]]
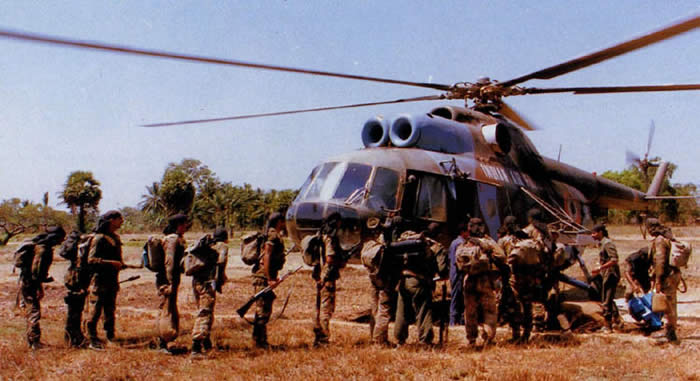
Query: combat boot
[[197, 350], [206, 344], [672, 337]]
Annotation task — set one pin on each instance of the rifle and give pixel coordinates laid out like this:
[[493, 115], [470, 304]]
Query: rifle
[[124, 265], [245, 307], [444, 330], [132, 278]]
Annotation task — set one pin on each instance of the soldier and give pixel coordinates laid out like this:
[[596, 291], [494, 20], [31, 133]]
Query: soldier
[[265, 273], [105, 260], [457, 278], [205, 283], [637, 266], [606, 275], [34, 259], [168, 281], [383, 278], [77, 280], [333, 258], [486, 259], [416, 285], [666, 278], [508, 308]]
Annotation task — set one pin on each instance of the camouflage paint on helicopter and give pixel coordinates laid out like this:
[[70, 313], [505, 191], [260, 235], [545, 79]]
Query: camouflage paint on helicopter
[[442, 167]]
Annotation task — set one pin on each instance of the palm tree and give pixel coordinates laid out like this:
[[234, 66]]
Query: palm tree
[[81, 193]]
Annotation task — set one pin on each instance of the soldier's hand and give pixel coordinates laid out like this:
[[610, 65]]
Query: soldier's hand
[[165, 290]]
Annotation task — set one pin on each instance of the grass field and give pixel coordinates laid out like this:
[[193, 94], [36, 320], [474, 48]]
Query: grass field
[[589, 356]]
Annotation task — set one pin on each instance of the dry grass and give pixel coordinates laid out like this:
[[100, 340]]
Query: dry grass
[[588, 356]]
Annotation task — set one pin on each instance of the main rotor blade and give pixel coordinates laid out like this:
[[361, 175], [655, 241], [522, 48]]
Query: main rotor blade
[[513, 115], [249, 116], [613, 51], [611, 89], [90, 45]]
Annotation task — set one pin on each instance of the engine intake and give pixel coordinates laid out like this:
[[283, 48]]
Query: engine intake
[[375, 132], [431, 133]]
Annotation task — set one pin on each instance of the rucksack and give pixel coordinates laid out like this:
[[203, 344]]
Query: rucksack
[[251, 245], [471, 259], [525, 253], [24, 256], [153, 254], [311, 247], [680, 254], [193, 260]]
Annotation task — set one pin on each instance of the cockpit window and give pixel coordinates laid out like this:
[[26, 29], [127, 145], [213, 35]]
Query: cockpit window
[[305, 186], [355, 177], [432, 199], [337, 181], [320, 180], [383, 191]]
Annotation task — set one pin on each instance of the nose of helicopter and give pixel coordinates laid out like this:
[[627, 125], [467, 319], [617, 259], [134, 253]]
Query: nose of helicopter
[[304, 218]]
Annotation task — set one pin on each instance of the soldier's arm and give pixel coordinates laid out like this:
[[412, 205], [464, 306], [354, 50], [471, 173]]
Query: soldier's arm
[[267, 261], [659, 260], [443, 265], [170, 250]]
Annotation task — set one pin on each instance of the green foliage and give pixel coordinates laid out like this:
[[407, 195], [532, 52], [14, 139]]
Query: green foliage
[[214, 203], [177, 191], [82, 194], [23, 216], [675, 210]]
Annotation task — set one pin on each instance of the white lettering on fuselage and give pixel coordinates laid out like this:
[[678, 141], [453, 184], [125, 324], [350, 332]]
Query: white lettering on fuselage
[[507, 175]]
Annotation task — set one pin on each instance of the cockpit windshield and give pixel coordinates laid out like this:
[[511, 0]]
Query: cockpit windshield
[[349, 181]]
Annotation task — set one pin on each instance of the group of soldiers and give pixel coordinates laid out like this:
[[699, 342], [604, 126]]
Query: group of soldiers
[[490, 280]]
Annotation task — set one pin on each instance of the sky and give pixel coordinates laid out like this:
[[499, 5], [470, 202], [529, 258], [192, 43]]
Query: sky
[[67, 109]]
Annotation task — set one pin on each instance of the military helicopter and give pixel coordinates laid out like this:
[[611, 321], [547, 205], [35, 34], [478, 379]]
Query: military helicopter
[[450, 162]]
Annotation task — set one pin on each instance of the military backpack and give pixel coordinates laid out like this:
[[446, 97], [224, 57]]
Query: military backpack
[[680, 254], [471, 259], [153, 256], [251, 245], [311, 249]]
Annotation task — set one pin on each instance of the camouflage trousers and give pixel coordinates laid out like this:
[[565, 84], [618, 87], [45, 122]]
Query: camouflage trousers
[[168, 315], [101, 300], [380, 314], [324, 311], [75, 303], [669, 286], [415, 300], [205, 295], [480, 307], [30, 296], [263, 311], [524, 290]]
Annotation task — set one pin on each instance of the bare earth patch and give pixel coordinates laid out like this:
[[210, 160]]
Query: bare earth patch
[[590, 356]]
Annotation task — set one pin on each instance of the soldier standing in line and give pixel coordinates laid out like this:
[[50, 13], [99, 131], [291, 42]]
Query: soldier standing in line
[[34, 260], [105, 260], [265, 273], [76, 280], [666, 277], [457, 278], [383, 277], [416, 285], [168, 281], [333, 258], [508, 308], [486, 259], [606, 275]]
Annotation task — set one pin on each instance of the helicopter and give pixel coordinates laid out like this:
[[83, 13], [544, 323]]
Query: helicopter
[[449, 163]]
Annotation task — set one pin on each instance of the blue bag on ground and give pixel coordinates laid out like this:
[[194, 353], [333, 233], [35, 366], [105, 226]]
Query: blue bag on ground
[[640, 309]]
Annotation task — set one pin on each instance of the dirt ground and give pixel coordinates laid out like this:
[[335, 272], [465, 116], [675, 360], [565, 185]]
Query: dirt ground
[[587, 356]]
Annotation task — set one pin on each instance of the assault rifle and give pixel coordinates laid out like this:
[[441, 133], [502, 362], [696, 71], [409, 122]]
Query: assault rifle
[[245, 307]]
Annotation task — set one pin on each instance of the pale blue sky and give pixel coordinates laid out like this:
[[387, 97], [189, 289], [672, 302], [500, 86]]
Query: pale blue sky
[[67, 109]]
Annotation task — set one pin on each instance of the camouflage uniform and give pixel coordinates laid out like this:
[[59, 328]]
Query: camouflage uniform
[[204, 285], [263, 306], [76, 280], [480, 304], [168, 283], [606, 282], [383, 293], [33, 260], [334, 258], [104, 284], [668, 277], [508, 307], [416, 285]]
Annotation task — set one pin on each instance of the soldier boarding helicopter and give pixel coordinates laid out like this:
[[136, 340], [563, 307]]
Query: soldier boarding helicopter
[[448, 163]]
